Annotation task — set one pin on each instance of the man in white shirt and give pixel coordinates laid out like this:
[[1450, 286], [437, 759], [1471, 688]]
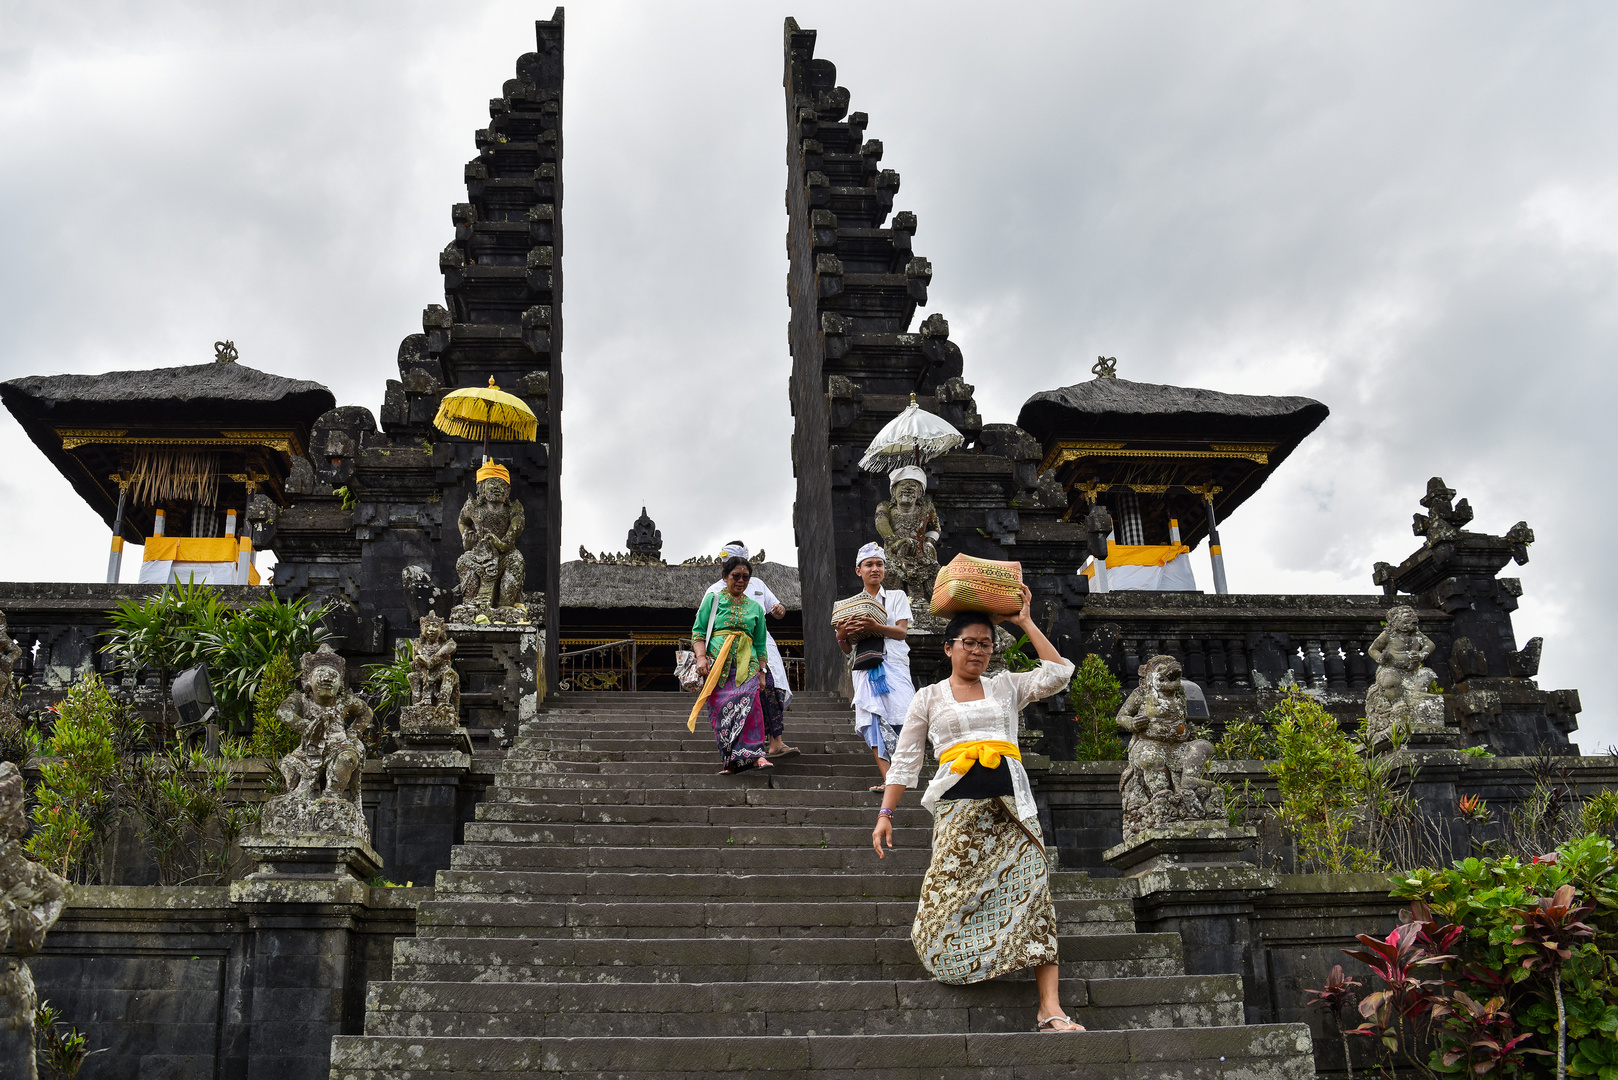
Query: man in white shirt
[[881, 694], [773, 607]]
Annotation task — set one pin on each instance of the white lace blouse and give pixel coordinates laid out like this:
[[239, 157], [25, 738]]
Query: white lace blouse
[[935, 715]]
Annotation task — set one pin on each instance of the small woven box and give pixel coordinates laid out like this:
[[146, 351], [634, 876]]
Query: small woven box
[[860, 604], [969, 584]]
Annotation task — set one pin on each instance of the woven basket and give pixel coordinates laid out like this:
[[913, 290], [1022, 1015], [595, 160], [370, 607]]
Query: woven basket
[[860, 604], [969, 584]]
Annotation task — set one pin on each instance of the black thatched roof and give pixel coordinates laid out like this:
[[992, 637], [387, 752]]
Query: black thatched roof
[[1103, 407], [191, 402], [222, 393], [607, 585]]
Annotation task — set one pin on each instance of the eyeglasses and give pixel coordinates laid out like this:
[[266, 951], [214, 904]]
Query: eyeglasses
[[739, 576], [975, 645]]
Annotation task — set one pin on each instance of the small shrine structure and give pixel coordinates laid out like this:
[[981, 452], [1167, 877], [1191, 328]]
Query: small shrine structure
[[175, 458]]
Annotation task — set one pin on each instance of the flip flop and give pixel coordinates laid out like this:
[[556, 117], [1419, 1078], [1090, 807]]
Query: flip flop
[[787, 751], [877, 787], [764, 763], [1048, 1025]]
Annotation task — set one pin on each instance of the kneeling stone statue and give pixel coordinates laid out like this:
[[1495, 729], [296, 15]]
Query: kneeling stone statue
[[324, 771], [1164, 782]]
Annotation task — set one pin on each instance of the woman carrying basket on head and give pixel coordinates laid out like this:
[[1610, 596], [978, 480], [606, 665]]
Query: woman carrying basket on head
[[985, 905], [732, 624]]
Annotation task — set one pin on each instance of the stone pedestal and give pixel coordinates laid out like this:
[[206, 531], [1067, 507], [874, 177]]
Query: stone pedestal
[[427, 772], [1187, 845], [305, 858], [500, 680], [304, 961]]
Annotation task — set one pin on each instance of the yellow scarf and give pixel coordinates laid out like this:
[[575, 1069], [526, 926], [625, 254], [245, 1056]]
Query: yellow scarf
[[986, 752], [744, 662]]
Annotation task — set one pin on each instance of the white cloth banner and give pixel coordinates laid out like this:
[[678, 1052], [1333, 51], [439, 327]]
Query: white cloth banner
[[165, 571], [1174, 575]]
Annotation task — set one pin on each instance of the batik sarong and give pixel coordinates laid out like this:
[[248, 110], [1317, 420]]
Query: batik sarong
[[773, 702], [737, 716], [986, 900]]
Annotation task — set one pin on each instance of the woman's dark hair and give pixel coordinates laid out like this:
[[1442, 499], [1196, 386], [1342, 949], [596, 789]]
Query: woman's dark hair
[[967, 618], [732, 563]]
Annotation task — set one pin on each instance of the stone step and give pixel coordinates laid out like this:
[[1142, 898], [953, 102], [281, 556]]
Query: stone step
[[705, 780], [704, 757], [519, 800], [663, 744], [518, 886], [878, 1007], [519, 770], [661, 814], [1260, 1052], [737, 858], [714, 837], [742, 959], [641, 917]]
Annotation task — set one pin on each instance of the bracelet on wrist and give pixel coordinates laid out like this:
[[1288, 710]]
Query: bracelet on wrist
[[885, 812]]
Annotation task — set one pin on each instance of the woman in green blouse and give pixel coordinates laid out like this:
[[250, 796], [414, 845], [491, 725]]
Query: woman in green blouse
[[732, 624]]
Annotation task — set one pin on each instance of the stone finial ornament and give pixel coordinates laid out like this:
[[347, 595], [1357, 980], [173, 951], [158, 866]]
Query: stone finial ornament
[[1400, 695], [907, 521], [645, 540], [224, 352], [324, 770], [1164, 782], [1105, 367], [491, 569], [434, 682], [31, 900]]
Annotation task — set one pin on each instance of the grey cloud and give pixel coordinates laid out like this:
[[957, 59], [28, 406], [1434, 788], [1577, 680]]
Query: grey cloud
[[1408, 213]]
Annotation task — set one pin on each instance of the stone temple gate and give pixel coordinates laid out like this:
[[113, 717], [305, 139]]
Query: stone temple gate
[[579, 894]]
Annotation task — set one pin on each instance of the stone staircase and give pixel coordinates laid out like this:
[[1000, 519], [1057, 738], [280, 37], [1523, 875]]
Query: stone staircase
[[618, 910]]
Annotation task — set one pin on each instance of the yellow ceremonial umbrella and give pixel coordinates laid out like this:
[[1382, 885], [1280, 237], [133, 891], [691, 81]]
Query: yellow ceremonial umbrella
[[479, 412]]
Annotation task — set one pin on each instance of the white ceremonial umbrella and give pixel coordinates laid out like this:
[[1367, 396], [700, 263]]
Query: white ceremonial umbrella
[[911, 438]]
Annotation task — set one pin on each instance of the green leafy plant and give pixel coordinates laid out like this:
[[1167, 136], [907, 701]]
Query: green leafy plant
[[1476, 751], [1016, 657], [239, 647], [61, 1052], [346, 497], [161, 632], [1321, 780], [272, 739], [387, 686], [180, 797], [1245, 740], [76, 798], [1095, 695]]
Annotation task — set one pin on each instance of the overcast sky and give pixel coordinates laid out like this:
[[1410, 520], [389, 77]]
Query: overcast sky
[[1407, 211]]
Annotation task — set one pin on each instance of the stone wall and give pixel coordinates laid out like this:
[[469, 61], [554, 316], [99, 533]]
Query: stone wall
[[201, 982]]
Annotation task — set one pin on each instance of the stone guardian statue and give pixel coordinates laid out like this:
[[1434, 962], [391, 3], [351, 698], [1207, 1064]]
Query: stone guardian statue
[[491, 569], [1401, 693], [324, 771], [31, 900], [908, 524], [1164, 782], [434, 682]]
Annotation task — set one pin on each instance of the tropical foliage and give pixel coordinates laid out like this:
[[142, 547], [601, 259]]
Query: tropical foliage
[[1500, 967], [185, 624]]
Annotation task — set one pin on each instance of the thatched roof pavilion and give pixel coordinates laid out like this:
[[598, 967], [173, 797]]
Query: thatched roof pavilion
[[1165, 449]]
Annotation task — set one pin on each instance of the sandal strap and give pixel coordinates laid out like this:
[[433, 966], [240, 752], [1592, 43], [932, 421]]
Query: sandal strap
[[1049, 1020]]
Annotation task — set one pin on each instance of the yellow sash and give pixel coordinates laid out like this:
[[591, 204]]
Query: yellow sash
[[986, 752], [744, 656]]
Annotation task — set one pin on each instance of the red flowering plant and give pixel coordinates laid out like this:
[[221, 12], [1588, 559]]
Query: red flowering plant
[[1501, 968]]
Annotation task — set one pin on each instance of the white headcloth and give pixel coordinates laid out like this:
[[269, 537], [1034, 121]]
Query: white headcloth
[[869, 551], [908, 472], [738, 549]]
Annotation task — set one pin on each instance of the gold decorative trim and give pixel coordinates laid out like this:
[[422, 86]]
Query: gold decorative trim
[[1064, 452], [73, 438]]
